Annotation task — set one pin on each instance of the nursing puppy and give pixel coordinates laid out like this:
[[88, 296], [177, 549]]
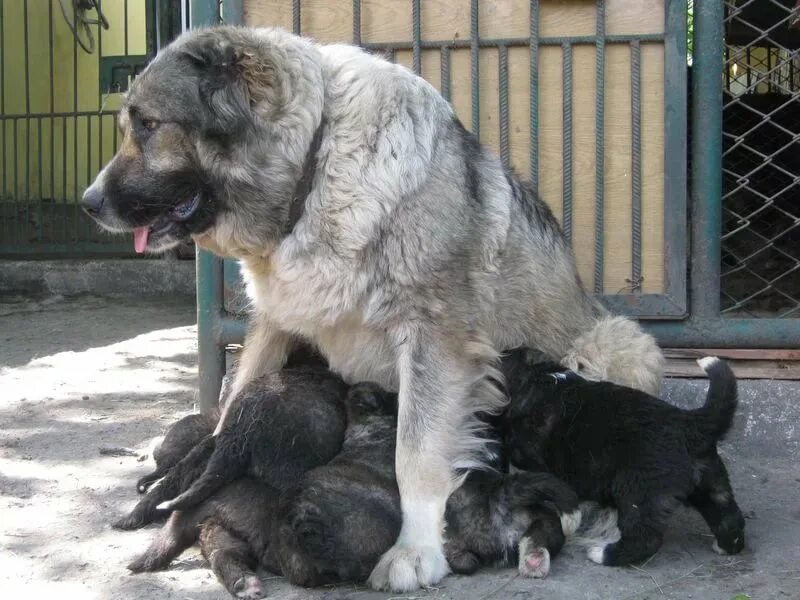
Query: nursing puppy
[[337, 521], [281, 426], [369, 222], [624, 448]]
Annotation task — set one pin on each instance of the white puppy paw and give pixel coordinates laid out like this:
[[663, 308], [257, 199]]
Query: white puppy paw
[[248, 587], [405, 568], [595, 554], [533, 561]]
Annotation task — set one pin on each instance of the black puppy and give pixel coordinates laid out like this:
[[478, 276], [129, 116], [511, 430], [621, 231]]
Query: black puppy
[[624, 448], [340, 518], [285, 424]]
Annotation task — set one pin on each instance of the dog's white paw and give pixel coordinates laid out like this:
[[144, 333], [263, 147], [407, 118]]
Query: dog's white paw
[[595, 554], [249, 588], [533, 561], [570, 522], [716, 548], [405, 568]]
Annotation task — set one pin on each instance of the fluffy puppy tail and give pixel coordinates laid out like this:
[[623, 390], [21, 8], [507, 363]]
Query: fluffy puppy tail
[[715, 418]]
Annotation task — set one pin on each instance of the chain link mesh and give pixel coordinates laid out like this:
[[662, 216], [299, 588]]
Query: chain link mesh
[[761, 160]]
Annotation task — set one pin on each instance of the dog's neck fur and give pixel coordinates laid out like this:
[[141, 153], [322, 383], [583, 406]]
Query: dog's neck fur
[[306, 181]]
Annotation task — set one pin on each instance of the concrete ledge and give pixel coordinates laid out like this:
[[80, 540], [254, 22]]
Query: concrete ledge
[[108, 277]]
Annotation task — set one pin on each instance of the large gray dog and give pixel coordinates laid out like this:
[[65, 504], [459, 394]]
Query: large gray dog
[[369, 222]]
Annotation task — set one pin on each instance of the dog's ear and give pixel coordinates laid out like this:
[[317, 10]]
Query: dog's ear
[[237, 85]]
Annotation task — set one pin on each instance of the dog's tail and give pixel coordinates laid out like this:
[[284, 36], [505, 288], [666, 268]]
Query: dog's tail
[[527, 488], [714, 419]]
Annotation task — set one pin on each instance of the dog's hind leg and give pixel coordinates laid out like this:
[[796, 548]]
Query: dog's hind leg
[[178, 533], [231, 560], [541, 542], [443, 381], [640, 535], [173, 483], [266, 350], [713, 498]]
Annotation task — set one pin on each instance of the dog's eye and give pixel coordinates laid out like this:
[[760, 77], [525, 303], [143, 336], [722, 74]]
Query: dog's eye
[[149, 124]]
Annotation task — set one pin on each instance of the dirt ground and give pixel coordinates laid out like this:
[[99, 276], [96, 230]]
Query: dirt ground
[[84, 373]]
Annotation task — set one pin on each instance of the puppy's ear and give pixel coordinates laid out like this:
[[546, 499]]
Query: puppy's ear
[[235, 84]]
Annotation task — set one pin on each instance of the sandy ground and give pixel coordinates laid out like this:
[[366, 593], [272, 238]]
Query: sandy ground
[[80, 374]]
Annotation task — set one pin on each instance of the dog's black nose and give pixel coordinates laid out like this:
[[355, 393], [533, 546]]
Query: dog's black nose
[[92, 201]]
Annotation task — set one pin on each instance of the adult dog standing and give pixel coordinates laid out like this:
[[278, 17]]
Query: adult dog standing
[[368, 221]]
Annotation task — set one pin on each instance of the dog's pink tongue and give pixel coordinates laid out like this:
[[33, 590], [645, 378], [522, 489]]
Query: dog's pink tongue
[[140, 239]]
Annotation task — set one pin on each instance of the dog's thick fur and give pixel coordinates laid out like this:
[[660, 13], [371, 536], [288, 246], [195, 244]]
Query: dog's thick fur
[[336, 521], [625, 449], [416, 257], [281, 425]]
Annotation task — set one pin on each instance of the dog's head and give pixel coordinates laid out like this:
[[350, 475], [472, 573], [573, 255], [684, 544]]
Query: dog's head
[[189, 124]]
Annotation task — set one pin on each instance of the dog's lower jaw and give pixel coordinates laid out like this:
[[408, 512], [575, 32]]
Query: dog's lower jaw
[[417, 558]]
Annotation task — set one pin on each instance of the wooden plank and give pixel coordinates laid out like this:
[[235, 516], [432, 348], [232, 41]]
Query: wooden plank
[[550, 128], [583, 171], [631, 17], [759, 369], [519, 109], [617, 172], [567, 18], [652, 137]]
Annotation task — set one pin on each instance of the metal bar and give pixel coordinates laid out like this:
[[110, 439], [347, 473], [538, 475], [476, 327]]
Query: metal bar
[[567, 137], [125, 26], [599, 150], [675, 134], [41, 191], [706, 188], [64, 175], [475, 68], [233, 12], [211, 355], [75, 136], [27, 121], [15, 199], [505, 151], [51, 219], [636, 167], [357, 22], [45, 115], [296, 16], [417, 36], [445, 66], [7, 219], [726, 333], [534, 43], [578, 40]]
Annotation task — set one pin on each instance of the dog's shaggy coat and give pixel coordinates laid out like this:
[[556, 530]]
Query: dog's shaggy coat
[[416, 256], [625, 449]]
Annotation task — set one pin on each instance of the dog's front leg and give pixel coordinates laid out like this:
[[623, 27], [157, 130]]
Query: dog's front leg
[[438, 382], [265, 350]]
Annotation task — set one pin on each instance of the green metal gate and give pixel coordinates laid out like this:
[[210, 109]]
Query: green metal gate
[[743, 236], [63, 67]]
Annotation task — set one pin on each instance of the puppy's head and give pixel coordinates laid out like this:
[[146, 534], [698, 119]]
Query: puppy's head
[[369, 400], [188, 146]]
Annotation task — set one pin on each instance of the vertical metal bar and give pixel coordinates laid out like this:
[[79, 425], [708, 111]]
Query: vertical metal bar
[[534, 74], [391, 57], [445, 66], [27, 119], [566, 51], [505, 152], [6, 218], [41, 192], [125, 26], [15, 198], [599, 150], [357, 22], [417, 36], [296, 16], [210, 354], [728, 68], [636, 165], [51, 219], [706, 188], [475, 70], [64, 177], [75, 215], [748, 70], [99, 105]]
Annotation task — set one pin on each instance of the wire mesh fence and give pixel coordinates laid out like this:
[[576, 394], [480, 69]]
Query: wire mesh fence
[[761, 160]]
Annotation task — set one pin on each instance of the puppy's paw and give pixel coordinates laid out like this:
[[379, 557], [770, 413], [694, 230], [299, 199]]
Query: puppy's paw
[[533, 561], [129, 522], [248, 587], [596, 554], [570, 522], [405, 568]]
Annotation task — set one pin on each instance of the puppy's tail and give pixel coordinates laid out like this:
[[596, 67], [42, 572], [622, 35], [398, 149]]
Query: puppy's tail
[[714, 419]]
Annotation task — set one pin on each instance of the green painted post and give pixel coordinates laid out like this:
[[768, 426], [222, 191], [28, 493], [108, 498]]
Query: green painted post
[[210, 353]]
